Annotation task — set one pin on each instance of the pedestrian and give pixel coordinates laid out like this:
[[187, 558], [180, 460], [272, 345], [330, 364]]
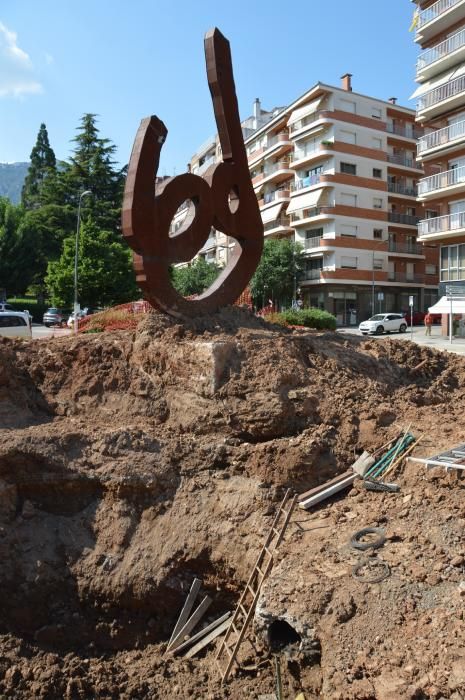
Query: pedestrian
[[428, 323]]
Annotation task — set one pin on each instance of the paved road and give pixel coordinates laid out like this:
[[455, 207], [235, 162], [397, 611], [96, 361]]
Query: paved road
[[435, 340], [39, 331]]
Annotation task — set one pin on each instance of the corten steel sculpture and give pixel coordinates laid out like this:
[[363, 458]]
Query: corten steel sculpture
[[223, 198]]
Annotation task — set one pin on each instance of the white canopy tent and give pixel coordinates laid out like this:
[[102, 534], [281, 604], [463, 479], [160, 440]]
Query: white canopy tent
[[443, 306]]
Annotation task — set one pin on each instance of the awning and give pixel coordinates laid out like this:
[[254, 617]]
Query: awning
[[305, 201], [443, 306], [304, 111], [440, 80], [272, 213]]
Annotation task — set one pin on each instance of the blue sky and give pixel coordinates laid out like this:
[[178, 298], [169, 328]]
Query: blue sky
[[126, 60]]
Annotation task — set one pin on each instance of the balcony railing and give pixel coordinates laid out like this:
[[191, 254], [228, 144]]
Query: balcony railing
[[402, 189], [434, 11], [313, 274], [407, 219], [281, 222], [454, 42], [409, 132], [283, 136], [442, 224], [409, 248], [305, 182], [309, 213], [406, 277], [399, 159], [441, 180], [313, 242], [274, 167], [441, 93], [441, 137], [276, 194]]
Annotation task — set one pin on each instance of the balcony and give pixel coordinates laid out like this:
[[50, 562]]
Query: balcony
[[312, 274], [406, 278], [442, 138], [279, 223], [408, 132], [302, 217], [313, 242], [405, 248], [276, 195], [402, 189], [276, 172], [306, 182], [449, 52], [442, 226], [405, 161], [445, 97], [437, 18], [454, 178], [405, 219]]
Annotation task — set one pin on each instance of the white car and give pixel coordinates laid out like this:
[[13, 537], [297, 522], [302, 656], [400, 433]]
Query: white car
[[15, 324], [384, 323]]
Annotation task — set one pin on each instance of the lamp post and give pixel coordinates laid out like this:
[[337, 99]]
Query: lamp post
[[76, 254]]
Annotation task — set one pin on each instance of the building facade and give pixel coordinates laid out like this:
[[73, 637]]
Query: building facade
[[336, 171], [440, 70]]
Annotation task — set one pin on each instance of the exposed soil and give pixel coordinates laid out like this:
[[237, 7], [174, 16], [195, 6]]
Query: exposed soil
[[132, 462]]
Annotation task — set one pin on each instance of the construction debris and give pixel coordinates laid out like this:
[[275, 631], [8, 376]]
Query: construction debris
[[321, 493], [450, 459], [242, 617], [357, 541], [371, 570], [363, 463]]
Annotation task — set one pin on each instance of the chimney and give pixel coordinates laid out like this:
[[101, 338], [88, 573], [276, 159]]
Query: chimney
[[346, 83], [257, 108], [392, 100]]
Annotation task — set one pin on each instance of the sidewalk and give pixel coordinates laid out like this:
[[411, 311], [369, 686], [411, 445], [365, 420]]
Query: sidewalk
[[435, 340]]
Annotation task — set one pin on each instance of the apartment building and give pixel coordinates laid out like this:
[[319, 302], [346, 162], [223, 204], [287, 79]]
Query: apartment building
[[440, 70], [336, 171]]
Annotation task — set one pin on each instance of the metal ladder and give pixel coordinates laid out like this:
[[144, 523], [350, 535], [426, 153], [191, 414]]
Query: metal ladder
[[235, 633]]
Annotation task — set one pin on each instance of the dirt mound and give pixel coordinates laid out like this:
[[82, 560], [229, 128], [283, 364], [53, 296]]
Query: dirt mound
[[131, 462]]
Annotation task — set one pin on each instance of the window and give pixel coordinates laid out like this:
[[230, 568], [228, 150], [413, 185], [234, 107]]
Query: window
[[430, 269], [347, 136], [377, 263], [11, 321], [377, 172], [410, 211], [349, 200], [377, 203], [378, 234], [347, 262], [349, 168], [452, 263], [348, 230], [410, 270], [377, 143], [431, 214], [376, 112]]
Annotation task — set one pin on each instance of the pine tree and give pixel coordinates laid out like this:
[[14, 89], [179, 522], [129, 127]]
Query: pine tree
[[42, 167], [92, 167]]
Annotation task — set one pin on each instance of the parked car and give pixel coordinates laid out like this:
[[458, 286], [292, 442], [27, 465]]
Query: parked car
[[419, 317], [15, 324], [81, 314], [384, 323], [53, 317]]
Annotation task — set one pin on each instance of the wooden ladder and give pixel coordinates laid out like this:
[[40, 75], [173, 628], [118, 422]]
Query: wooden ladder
[[235, 633]]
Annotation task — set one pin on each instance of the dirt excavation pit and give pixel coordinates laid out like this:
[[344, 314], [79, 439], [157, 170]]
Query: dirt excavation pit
[[133, 462]]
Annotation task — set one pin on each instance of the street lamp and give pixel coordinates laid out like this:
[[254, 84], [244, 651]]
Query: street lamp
[[76, 254]]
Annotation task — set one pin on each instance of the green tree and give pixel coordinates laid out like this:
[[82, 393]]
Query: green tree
[[92, 167], [279, 270], [105, 274], [42, 167], [12, 270], [194, 278]]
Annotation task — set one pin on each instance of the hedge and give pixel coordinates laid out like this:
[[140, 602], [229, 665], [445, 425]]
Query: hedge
[[36, 310], [310, 318]]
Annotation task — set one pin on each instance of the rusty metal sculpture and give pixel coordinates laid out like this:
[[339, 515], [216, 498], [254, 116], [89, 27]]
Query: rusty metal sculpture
[[223, 198]]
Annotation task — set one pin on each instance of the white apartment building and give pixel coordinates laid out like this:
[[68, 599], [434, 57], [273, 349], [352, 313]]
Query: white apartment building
[[336, 171], [440, 70]]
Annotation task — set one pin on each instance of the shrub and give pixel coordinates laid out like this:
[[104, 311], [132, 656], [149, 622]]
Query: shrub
[[310, 318], [36, 310]]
